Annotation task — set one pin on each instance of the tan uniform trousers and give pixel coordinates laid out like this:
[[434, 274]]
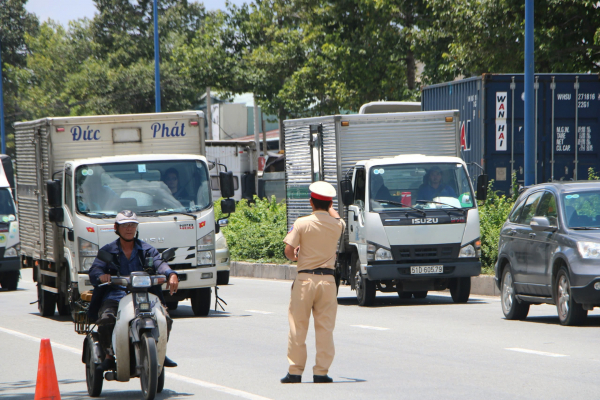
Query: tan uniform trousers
[[316, 293]]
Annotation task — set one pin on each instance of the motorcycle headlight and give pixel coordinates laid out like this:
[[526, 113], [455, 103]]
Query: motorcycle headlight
[[87, 254], [205, 257], [468, 251], [383, 254], [207, 242], [141, 281], [589, 250]]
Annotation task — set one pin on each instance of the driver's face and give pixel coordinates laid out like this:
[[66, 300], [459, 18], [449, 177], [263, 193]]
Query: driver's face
[[435, 177], [127, 230]]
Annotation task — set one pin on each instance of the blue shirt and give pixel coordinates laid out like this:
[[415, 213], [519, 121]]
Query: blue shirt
[[140, 251], [427, 192]]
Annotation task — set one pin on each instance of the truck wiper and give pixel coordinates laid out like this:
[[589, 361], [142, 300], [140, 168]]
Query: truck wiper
[[585, 228], [163, 212], [400, 204], [444, 204]]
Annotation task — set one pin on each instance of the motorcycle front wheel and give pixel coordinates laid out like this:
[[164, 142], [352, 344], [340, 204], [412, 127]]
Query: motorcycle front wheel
[[93, 376], [149, 367]]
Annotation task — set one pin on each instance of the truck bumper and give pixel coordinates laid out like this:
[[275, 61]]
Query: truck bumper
[[10, 264], [458, 269], [196, 278]]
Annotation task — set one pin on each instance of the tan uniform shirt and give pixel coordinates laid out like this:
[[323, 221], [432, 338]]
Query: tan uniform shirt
[[317, 235]]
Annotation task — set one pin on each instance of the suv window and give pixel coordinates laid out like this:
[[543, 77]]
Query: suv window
[[530, 207], [547, 208], [514, 216]]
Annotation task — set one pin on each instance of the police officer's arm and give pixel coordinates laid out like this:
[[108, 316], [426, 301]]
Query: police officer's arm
[[332, 211], [163, 268], [290, 253], [292, 243]]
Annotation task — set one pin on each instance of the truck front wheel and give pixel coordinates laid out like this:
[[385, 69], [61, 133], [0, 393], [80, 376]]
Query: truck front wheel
[[201, 302], [460, 289], [365, 288], [9, 280]]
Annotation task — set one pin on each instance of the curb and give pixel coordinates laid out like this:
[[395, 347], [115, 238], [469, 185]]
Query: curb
[[482, 285]]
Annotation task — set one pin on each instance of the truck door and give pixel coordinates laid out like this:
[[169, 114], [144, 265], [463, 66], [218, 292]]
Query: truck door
[[356, 219]]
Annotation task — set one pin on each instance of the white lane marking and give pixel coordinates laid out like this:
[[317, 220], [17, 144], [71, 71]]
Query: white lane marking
[[375, 328], [259, 312], [171, 375], [539, 353]]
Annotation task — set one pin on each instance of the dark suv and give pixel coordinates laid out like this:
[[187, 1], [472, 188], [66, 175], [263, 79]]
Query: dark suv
[[549, 251]]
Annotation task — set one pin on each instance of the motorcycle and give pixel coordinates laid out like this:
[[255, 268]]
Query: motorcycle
[[140, 335]]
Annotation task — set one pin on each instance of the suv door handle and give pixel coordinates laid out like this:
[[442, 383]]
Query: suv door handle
[[512, 232], [532, 235]]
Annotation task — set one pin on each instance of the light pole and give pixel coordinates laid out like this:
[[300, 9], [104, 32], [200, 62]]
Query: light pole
[[2, 132], [156, 59], [530, 149]]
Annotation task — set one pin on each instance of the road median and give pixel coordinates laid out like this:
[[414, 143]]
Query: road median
[[480, 285]]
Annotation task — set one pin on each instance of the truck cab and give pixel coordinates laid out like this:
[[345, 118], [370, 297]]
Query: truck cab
[[10, 263], [412, 226]]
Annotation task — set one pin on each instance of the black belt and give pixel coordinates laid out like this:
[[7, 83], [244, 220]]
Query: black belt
[[318, 271]]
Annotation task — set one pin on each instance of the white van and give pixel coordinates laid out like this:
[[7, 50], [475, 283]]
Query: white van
[[9, 228]]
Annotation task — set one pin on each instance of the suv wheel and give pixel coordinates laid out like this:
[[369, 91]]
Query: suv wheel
[[511, 307], [569, 312]]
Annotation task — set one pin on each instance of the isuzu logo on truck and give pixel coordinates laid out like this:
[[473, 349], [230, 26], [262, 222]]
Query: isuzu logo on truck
[[418, 221]]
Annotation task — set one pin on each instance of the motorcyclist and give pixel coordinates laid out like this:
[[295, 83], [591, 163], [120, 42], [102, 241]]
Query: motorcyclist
[[129, 254]]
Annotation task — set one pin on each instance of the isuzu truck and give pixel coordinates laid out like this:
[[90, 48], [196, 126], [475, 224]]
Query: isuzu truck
[[74, 174], [412, 223]]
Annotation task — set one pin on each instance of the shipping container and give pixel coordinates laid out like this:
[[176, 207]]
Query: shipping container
[[492, 118]]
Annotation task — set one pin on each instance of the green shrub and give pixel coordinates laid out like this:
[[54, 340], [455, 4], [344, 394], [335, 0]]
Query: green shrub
[[492, 215], [592, 175], [256, 230]]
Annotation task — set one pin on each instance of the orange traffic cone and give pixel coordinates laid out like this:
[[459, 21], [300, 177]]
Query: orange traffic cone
[[46, 387]]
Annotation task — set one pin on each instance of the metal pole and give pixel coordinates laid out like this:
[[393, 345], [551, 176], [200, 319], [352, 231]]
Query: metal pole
[[156, 59], [553, 87], [576, 128], [2, 132], [513, 86], [209, 115], [256, 137], [529, 106], [535, 123]]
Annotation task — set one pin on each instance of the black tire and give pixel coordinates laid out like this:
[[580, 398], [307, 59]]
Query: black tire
[[404, 295], [46, 302], [460, 290], [161, 381], [222, 277], [511, 307], [10, 280], [366, 290], [93, 376], [201, 302], [420, 295], [63, 309], [172, 305], [148, 367], [570, 313]]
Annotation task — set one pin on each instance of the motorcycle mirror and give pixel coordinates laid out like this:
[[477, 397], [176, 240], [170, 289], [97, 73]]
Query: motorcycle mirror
[[169, 254], [105, 256]]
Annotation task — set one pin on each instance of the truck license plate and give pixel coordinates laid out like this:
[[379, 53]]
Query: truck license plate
[[427, 269]]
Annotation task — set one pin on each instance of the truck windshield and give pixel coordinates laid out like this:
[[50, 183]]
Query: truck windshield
[[421, 186], [7, 206], [150, 186]]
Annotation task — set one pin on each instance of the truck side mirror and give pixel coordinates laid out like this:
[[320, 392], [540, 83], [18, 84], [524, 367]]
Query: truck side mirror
[[226, 184], [346, 192], [54, 191], [227, 206], [56, 215], [482, 185]]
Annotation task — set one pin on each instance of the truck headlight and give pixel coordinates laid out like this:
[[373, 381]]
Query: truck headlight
[[207, 242], [13, 251], [383, 254], [205, 257], [468, 251], [589, 250], [87, 254]]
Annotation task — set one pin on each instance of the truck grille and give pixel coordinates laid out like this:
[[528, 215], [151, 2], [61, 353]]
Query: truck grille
[[431, 253]]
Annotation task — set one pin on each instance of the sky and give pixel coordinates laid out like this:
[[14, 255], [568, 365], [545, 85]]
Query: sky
[[64, 11]]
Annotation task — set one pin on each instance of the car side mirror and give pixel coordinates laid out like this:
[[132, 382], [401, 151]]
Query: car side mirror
[[227, 206], [542, 224], [54, 193], [482, 185], [168, 254], [56, 215], [105, 256], [226, 184], [346, 192]]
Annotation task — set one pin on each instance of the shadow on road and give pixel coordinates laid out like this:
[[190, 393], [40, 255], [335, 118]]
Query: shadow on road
[[184, 311], [395, 301], [592, 321]]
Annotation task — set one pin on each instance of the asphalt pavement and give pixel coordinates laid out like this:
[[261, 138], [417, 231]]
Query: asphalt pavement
[[398, 349]]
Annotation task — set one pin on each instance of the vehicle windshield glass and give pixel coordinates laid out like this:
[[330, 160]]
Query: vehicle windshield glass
[[7, 206], [152, 186], [582, 209], [422, 186]]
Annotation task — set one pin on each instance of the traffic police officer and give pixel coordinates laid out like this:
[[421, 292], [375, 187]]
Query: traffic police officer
[[312, 242]]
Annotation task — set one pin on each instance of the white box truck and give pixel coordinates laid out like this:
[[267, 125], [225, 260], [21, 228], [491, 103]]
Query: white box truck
[[238, 157], [10, 264], [402, 234], [74, 174]]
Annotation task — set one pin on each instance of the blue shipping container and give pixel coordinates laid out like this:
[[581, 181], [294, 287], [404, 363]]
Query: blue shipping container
[[492, 119]]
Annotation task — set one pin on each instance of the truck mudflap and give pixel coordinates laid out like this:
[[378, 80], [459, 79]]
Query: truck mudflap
[[389, 271]]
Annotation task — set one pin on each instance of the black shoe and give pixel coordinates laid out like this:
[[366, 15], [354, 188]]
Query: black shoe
[[322, 379], [106, 320], [169, 363], [108, 364], [291, 379]]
